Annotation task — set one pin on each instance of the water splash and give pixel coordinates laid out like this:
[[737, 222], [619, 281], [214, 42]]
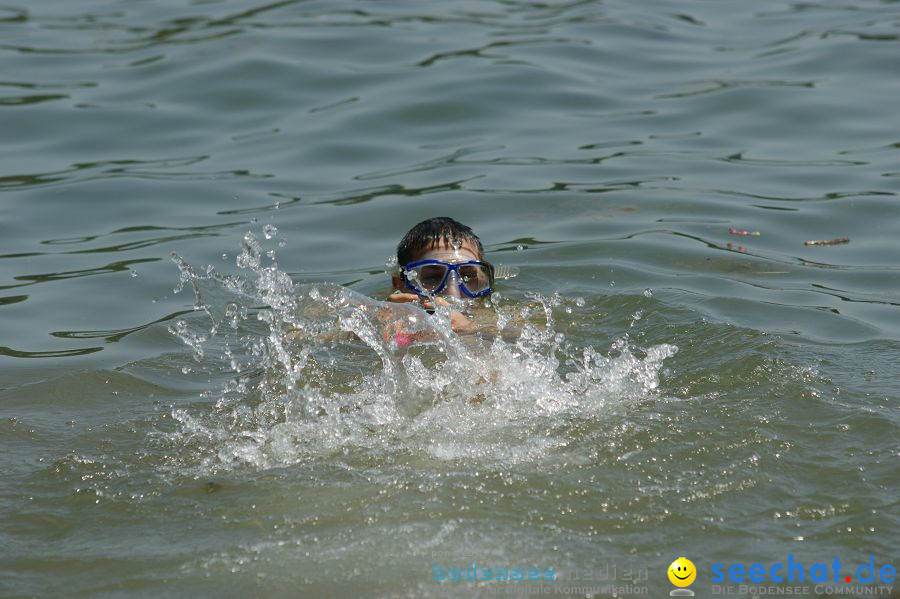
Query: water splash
[[304, 372]]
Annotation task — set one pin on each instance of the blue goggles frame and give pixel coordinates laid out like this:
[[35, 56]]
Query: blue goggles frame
[[451, 267]]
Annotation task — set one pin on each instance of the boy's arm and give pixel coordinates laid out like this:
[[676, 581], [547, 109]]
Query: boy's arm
[[458, 321], [299, 335]]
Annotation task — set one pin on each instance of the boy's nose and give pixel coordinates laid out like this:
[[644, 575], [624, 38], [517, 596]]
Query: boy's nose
[[452, 287]]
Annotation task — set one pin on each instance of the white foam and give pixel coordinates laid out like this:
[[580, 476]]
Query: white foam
[[312, 371]]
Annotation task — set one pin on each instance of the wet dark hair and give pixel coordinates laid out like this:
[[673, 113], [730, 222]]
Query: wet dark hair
[[432, 232]]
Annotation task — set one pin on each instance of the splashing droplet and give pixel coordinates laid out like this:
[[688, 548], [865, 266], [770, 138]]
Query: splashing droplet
[[249, 254], [310, 369]]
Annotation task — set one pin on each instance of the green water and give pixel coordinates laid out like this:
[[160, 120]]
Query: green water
[[729, 398]]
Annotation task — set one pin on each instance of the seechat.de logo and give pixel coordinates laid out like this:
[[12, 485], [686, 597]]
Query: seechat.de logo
[[795, 571], [682, 573]]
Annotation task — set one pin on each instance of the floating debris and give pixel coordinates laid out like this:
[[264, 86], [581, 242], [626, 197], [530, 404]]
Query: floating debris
[[734, 231], [837, 241]]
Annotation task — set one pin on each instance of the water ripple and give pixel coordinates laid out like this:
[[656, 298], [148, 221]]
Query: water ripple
[[48, 277], [114, 335], [740, 158], [58, 353], [484, 51], [111, 169], [365, 195], [719, 85]]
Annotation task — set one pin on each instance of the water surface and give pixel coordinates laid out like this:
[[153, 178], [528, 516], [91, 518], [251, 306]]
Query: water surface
[[683, 391]]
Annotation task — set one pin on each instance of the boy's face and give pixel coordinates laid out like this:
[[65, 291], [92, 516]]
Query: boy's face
[[445, 253]]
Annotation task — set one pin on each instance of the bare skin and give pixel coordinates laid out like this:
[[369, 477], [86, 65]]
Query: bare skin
[[447, 253], [396, 329]]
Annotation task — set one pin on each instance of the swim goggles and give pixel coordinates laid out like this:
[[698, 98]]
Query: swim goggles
[[429, 277]]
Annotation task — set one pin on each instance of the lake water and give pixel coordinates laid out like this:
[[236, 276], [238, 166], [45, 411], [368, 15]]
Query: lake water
[[184, 182]]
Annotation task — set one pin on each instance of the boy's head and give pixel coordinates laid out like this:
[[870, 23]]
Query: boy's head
[[436, 233], [444, 240]]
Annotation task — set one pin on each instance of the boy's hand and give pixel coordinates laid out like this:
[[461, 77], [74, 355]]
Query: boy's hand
[[400, 297], [458, 321]]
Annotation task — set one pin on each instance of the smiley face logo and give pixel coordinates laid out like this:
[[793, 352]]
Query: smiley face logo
[[682, 572]]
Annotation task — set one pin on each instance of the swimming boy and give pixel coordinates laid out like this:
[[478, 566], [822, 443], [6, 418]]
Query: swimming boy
[[441, 261]]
